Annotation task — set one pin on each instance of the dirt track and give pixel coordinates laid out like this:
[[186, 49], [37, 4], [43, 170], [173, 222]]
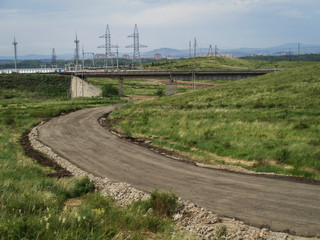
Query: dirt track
[[259, 201]]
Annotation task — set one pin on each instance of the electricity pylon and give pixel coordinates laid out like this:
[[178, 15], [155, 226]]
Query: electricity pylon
[[108, 46], [136, 59]]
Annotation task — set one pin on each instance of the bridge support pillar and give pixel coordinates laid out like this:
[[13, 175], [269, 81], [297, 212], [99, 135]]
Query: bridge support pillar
[[171, 87]]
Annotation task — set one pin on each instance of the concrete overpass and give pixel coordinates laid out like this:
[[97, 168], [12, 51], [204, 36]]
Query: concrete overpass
[[175, 75]]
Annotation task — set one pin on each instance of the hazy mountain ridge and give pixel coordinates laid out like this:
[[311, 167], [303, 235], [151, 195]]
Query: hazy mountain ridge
[[289, 48]]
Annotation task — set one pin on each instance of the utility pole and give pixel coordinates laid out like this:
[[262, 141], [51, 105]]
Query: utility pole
[[189, 49], [82, 58], [298, 48], [15, 52], [76, 55], [215, 56], [117, 58], [53, 59], [195, 47]]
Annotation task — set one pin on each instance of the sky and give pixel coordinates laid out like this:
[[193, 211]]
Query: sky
[[40, 25]]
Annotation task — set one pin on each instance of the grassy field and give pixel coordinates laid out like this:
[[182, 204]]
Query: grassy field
[[210, 63], [267, 124], [141, 87], [34, 205]]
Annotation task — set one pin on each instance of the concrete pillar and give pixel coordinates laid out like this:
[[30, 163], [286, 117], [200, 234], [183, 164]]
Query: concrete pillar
[[121, 86]]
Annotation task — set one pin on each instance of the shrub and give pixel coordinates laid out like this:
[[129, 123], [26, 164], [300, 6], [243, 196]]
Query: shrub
[[300, 126], [10, 120], [145, 117], [259, 104], [82, 186], [164, 203], [109, 91], [222, 232], [9, 96], [282, 155], [159, 93]]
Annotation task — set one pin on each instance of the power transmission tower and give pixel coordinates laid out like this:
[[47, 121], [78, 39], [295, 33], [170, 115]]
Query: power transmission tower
[[15, 52], [76, 55], [210, 52], [215, 56], [108, 46], [136, 48], [53, 59], [195, 47]]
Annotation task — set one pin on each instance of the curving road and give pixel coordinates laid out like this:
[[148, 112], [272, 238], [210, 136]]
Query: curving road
[[258, 201]]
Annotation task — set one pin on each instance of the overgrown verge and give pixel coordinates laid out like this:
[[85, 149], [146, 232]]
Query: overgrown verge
[[267, 124], [39, 84], [34, 205]]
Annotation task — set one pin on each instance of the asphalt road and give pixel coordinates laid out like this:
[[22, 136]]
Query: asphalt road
[[259, 201]]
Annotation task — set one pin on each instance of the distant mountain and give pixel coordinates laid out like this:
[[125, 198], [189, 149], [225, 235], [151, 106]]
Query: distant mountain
[[166, 52], [277, 50], [291, 48]]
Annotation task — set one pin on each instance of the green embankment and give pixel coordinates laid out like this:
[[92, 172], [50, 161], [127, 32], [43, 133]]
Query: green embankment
[[39, 85], [269, 123], [36, 206], [210, 63]]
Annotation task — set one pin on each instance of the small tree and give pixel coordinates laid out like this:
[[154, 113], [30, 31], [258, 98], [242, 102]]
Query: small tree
[[109, 91], [159, 92]]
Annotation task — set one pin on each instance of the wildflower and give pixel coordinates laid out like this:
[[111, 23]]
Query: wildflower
[[47, 226]]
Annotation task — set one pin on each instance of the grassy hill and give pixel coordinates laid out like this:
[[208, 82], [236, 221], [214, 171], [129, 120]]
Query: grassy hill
[[210, 63], [269, 123]]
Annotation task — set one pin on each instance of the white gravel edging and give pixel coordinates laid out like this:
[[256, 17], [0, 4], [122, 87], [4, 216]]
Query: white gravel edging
[[190, 216]]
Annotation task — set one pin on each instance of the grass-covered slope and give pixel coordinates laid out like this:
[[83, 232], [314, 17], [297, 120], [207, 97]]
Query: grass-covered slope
[[222, 63], [40, 85], [269, 123], [34, 205]]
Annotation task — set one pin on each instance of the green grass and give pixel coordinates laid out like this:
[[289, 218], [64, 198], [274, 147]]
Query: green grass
[[35, 206], [141, 87], [269, 123], [40, 85], [222, 63]]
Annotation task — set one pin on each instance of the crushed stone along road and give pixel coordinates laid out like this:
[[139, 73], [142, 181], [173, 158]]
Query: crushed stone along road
[[282, 205]]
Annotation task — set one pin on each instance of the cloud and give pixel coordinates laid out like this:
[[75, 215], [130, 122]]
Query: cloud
[[172, 23], [183, 13]]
